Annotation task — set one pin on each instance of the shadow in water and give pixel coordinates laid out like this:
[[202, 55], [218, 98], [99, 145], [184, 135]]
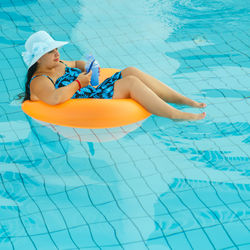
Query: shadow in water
[[247, 140], [223, 160], [11, 3], [74, 189], [221, 93], [190, 209], [203, 130]]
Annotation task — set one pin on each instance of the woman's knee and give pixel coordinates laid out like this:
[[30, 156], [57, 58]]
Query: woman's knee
[[131, 78], [125, 86], [129, 71], [133, 81]]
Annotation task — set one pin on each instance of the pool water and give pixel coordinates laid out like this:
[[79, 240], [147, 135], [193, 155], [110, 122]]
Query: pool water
[[158, 184]]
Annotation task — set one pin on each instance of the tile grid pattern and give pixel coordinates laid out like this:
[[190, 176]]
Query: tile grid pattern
[[118, 155]]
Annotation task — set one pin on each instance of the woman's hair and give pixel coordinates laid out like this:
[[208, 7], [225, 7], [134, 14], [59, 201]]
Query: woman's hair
[[30, 73]]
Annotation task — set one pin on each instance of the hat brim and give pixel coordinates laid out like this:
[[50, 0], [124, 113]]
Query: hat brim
[[54, 45]]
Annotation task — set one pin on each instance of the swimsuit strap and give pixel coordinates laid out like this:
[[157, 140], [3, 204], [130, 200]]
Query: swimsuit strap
[[46, 75], [42, 75], [63, 63]]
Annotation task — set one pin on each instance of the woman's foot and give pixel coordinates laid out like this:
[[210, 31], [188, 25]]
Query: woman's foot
[[194, 117], [188, 116], [200, 116], [198, 104]]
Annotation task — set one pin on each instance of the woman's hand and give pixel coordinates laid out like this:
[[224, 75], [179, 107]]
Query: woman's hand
[[84, 79]]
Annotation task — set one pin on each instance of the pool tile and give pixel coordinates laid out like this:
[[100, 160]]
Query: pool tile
[[44, 241], [179, 241], [127, 231], [199, 239], [219, 237], [23, 243], [104, 234], [63, 239], [238, 232]]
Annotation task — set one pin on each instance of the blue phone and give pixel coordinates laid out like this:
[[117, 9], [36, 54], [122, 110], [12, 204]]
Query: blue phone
[[91, 65]]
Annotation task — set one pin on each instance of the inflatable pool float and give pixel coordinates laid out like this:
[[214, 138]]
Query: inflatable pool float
[[88, 113]]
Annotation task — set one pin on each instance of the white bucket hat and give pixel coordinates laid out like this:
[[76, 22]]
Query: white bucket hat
[[37, 45]]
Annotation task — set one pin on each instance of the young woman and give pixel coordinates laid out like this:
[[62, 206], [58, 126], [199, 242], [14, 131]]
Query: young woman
[[54, 81]]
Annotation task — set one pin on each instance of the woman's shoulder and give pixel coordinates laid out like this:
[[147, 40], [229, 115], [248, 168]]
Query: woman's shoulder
[[40, 78]]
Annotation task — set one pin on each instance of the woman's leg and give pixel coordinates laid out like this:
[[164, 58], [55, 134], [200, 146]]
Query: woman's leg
[[162, 90], [132, 87]]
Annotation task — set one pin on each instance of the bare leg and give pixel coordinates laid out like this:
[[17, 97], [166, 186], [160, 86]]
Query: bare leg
[[162, 90], [132, 87]]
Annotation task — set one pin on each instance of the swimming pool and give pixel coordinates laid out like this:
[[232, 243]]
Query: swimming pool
[[157, 185]]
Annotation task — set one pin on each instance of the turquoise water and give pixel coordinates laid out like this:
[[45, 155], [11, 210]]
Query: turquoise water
[[159, 184]]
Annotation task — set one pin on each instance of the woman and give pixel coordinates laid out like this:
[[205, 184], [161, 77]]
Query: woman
[[53, 81]]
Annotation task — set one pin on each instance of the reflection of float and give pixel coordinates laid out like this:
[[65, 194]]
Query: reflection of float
[[93, 135]]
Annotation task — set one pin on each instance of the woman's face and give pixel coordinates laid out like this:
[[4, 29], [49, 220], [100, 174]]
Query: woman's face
[[50, 59]]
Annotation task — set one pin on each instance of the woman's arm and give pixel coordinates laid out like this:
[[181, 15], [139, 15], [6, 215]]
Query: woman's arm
[[80, 65], [45, 91], [76, 64]]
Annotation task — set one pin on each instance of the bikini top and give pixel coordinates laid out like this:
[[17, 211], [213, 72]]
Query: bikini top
[[69, 76]]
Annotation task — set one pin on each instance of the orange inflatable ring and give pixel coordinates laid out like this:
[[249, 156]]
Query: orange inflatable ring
[[88, 113]]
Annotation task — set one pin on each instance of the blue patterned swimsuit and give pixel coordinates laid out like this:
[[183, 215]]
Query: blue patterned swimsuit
[[104, 91]]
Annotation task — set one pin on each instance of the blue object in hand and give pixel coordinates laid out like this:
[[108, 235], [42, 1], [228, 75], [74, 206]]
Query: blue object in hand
[[93, 65]]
